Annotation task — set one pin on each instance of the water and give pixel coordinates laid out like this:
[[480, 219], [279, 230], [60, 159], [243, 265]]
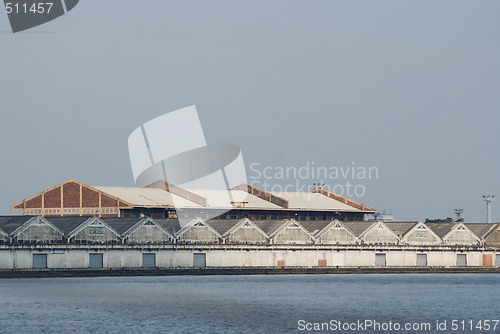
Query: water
[[242, 304]]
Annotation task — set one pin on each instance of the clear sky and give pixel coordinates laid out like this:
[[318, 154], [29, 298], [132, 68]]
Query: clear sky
[[409, 87]]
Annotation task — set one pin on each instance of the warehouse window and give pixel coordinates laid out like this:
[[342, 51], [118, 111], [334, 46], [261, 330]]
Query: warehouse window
[[39, 261], [497, 260], [95, 230], [95, 260], [149, 260]]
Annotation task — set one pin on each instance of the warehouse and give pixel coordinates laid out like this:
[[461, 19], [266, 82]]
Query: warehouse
[[161, 200], [93, 242]]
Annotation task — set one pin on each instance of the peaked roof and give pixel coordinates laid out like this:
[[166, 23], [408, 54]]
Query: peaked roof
[[242, 222], [358, 228], [20, 205], [170, 225], [315, 226], [222, 225], [481, 229], [122, 225], [270, 227], [441, 229], [67, 224], [400, 228], [9, 224]]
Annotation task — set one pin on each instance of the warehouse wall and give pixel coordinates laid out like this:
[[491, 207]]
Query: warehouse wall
[[221, 256]]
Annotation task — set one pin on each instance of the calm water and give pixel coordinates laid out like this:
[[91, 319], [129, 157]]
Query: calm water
[[241, 304]]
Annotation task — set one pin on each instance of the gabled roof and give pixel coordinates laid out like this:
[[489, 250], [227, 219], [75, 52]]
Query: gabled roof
[[122, 225], [419, 225], [22, 204], [332, 224], [172, 226], [148, 197], [313, 201], [195, 222], [345, 200], [441, 229], [241, 223], [289, 222], [36, 219], [91, 221], [270, 227], [481, 230], [375, 225], [456, 227], [9, 224], [357, 228], [67, 224], [315, 226], [400, 228], [222, 225]]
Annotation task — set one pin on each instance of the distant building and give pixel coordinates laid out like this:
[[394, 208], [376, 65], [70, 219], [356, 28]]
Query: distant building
[[73, 198]]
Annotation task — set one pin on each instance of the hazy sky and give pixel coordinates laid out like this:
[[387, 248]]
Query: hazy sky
[[409, 87]]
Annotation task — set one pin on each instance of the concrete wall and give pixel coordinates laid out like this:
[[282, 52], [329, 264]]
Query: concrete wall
[[85, 235], [380, 235], [197, 234], [247, 235], [292, 235], [429, 238], [124, 256], [461, 237], [148, 234], [39, 231], [337, 236]]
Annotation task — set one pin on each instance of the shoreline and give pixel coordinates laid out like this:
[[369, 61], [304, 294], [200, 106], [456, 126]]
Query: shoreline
[[228, 271]]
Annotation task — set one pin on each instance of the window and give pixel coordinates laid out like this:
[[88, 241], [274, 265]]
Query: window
[[95, 230], [421, 234], [149, 260], [39, 261], [497, 260], [95, 260]]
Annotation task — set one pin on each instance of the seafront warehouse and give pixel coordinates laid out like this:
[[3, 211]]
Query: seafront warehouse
[[74, 226]]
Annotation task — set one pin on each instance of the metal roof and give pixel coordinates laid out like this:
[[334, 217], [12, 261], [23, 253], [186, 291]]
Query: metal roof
[[480, 229], [9, 224], [67, 224], [312, 201], [122, 225], [314, 226], [222, 225], [441, 229], [270, 227], [147, 196], [400, 228], [171, 225], [220, 198], [357, 228]]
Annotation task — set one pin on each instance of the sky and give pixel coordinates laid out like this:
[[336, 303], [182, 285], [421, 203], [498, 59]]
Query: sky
[[409, 89]]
